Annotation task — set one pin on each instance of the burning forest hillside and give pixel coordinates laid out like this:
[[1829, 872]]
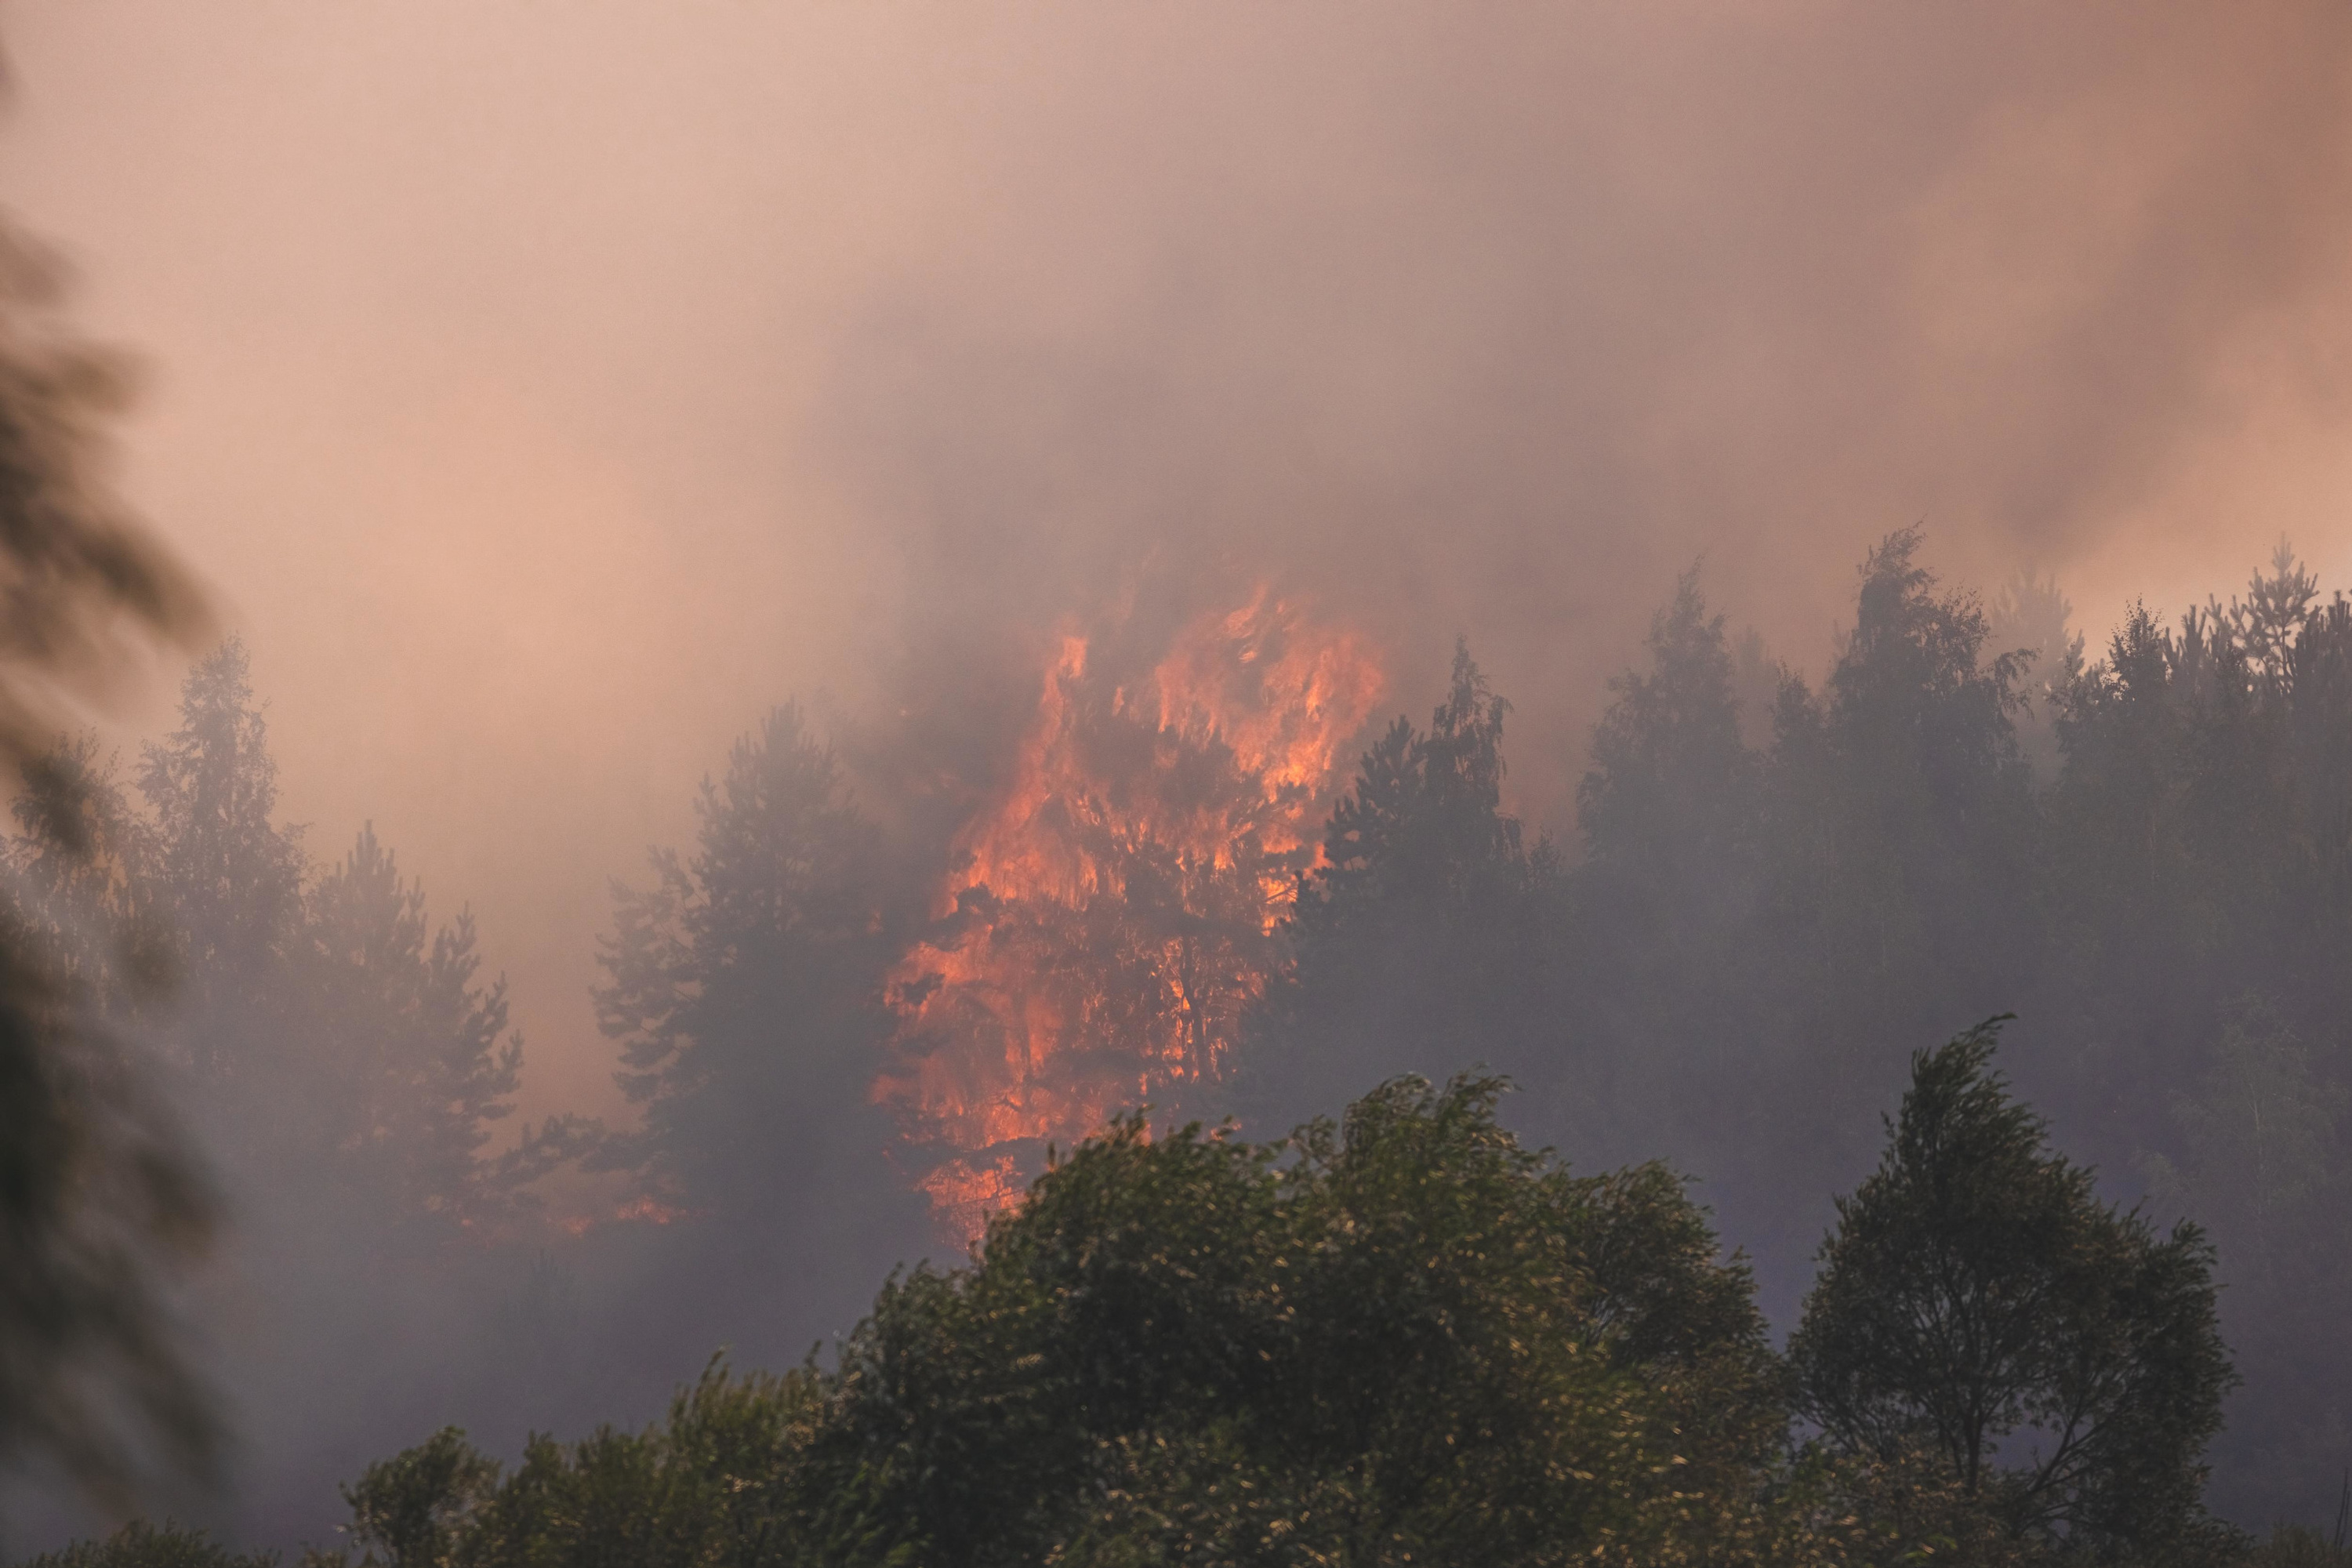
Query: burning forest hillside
[[1111, 913], [925, 601]]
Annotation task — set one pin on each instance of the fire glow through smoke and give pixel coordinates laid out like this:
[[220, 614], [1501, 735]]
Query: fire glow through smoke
[[1109, 917]]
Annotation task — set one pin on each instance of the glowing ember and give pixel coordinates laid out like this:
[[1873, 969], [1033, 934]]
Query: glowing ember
[[963, 1197], [1110, 916], [638, 1211]]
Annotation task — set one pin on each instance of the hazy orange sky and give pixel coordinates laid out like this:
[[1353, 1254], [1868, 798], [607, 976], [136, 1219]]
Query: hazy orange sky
[[546, 386]]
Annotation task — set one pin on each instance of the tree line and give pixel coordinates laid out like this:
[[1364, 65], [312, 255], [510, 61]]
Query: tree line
[[1402, 1337], [2147, 855], [1776, 884], [337, 1074], [1774, 888], [322, 1028]]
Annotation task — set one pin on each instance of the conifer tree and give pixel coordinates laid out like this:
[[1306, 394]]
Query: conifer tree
[[425, 1064], [229, 876], [340, 1044], [1900, 838], [1424, 935], [744, 987], [1663, 908], [1670, 779]]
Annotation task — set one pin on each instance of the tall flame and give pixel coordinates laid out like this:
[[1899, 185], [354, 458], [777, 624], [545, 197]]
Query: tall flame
[[1111, 914]]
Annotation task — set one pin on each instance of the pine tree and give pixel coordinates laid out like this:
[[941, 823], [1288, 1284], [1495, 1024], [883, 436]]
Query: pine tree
[[744, 987], [1901, 837], [422, 1062], [1671, 780], [338, 1043], [229, 878], [1665, 903], [1422, 936]]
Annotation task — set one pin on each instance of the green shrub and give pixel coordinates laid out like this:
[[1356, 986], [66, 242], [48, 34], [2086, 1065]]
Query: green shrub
[[2294, 1546], [142, 1545]]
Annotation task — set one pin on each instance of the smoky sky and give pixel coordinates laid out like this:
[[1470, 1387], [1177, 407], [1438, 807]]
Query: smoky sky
[[546, 389]]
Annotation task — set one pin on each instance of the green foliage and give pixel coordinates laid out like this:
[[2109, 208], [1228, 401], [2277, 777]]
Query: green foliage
[[1398, 1338], [2049, 1354], [2165, 896], [1163, 1357], [142, 1545], [2298, 1546], [1402, 1337], [414, 1504], [718, 1483]]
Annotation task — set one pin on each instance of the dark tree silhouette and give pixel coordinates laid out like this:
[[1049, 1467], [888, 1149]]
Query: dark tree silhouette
[[2052, 1355], [100, 1200], [1662, 909], [745, 989], [423, 1065], [228, 877], [744, 983], [1423, 937]]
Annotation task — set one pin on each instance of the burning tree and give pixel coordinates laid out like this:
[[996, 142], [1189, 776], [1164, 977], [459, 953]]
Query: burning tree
[[1109, 915]]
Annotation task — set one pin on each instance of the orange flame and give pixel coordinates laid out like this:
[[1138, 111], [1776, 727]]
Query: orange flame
[[1111, 915]]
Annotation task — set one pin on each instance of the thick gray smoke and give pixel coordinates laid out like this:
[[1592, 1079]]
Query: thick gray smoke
[[548, 393]]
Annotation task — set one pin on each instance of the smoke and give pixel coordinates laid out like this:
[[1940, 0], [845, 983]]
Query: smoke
[[546, 390]]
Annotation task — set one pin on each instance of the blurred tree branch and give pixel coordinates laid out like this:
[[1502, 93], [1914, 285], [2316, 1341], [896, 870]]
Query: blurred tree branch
[[100, 1199]]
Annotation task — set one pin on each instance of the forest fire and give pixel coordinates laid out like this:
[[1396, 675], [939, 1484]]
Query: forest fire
[[1111, 913]]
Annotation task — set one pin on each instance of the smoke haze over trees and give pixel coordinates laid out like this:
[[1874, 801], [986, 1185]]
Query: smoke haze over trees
[[632, 374], [1726, 970], [1282, 549]]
